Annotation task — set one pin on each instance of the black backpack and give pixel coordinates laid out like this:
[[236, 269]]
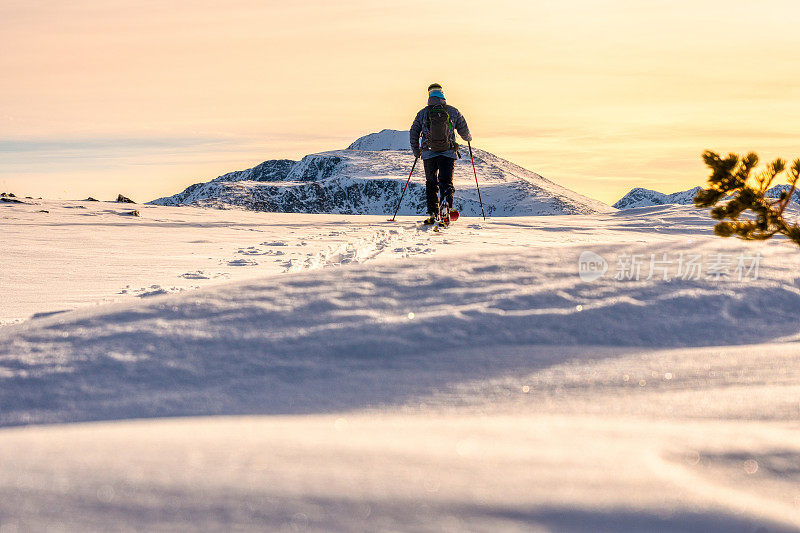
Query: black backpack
[[440, 129]]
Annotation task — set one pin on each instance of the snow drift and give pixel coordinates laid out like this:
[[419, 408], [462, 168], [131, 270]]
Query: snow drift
[[283, 344], [480, 385]]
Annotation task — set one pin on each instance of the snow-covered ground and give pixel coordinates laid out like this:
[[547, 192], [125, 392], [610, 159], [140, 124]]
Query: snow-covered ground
[[383, 377], [81, 253]]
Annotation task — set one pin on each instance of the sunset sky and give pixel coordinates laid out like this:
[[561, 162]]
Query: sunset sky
[[145, 98]]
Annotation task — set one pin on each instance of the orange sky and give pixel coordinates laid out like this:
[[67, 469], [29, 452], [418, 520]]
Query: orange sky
[[147, 97]]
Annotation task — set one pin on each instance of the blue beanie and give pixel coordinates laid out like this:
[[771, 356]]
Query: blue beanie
[[434, 89]]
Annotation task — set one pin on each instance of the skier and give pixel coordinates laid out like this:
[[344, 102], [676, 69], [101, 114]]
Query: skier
[[437, 123]]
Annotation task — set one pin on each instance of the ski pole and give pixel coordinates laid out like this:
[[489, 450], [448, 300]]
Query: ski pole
[[476, 179], [404, 189]]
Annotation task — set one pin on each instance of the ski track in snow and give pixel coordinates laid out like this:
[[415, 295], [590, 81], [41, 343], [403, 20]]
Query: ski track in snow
[[412, 381], [93, 256]]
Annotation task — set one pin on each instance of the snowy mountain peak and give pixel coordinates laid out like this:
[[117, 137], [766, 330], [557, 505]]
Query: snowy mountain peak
[[383, 140], [369, 177], [640, 197]]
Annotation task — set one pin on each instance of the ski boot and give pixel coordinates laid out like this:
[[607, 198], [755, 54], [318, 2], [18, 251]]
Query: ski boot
[[441, 222]]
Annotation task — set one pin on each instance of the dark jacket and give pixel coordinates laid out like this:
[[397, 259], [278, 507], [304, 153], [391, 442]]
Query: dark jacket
[[418, 128]]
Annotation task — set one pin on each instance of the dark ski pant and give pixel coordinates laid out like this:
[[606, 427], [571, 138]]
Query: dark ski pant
[[438, 177]]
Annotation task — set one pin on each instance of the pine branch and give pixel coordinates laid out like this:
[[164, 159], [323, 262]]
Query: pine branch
[[730, 197]]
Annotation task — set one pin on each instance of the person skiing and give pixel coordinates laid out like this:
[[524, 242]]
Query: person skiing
[[436, 124]]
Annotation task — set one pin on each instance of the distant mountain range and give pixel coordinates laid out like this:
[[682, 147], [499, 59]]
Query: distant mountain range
[[639, 197], [368, 178]]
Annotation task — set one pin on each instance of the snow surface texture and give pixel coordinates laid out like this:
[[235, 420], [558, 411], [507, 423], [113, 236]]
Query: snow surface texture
[[368, 178], [89, 253], [639, 197], [467, 381]]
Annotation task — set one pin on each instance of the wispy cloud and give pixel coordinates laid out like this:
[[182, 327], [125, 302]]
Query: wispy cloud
[[101, 144]]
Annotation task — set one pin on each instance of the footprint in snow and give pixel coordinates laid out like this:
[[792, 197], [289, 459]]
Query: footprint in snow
[[242, 262], [156, 292], [252, 250], [255, 251], [413, 250], [195, 275]]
